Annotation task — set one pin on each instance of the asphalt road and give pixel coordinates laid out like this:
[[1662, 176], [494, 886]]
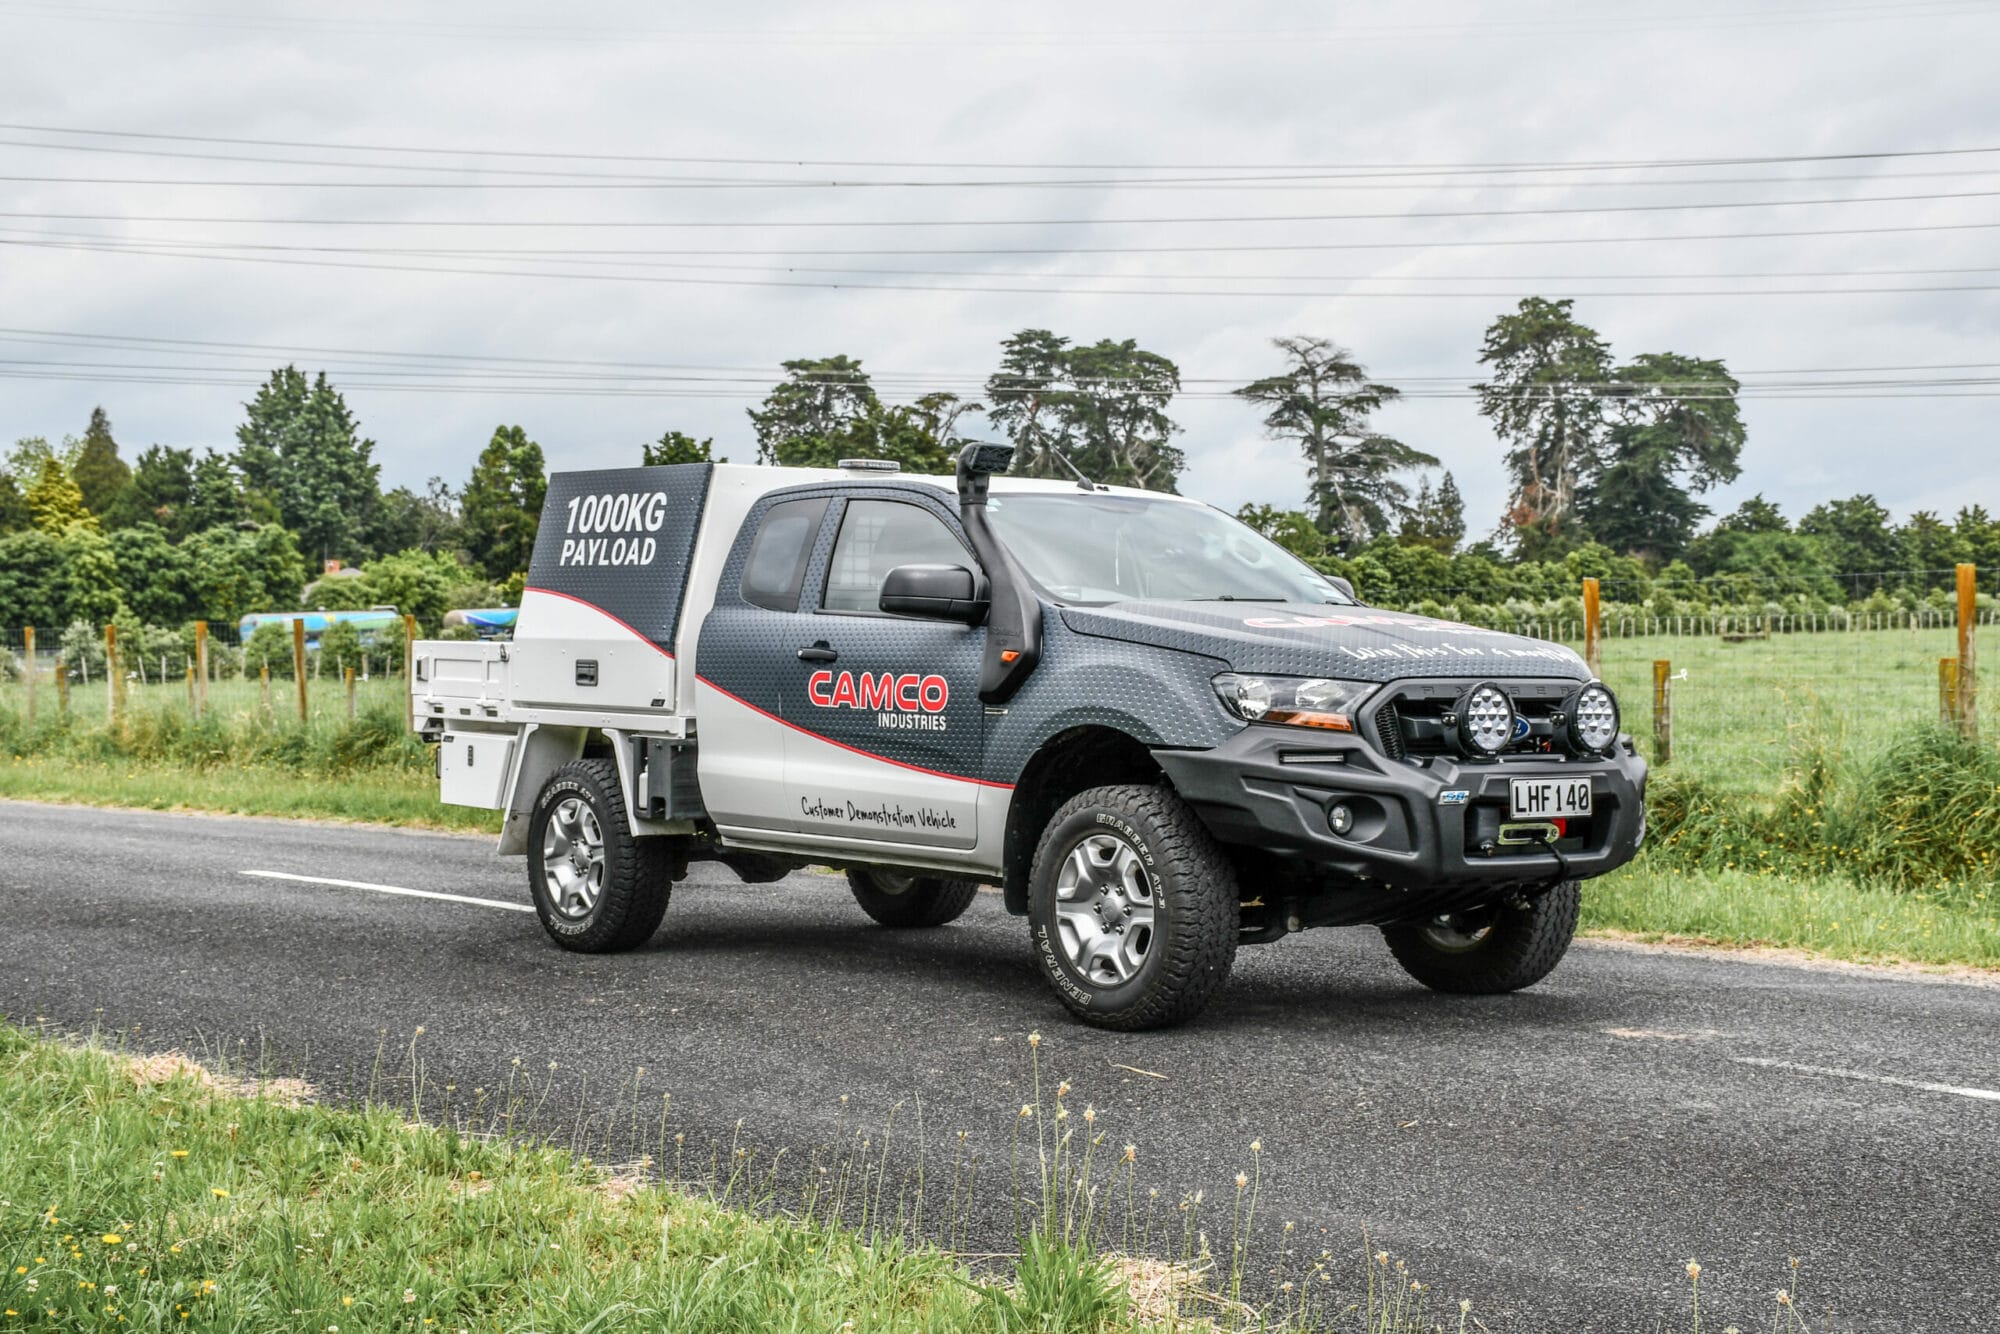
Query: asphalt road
[[1556, 1156]]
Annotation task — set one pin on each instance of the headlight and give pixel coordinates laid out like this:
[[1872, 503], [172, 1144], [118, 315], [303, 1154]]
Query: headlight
[[1593, 720], [1298, 701], [1485, 720]]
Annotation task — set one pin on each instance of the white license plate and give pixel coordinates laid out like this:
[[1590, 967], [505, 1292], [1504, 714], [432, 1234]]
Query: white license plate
[[1548, 798]]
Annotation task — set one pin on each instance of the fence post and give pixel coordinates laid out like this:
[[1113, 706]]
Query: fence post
[[200, 668], [264, 679], [191, 687], [350, 694], [62, 687], [111, 673], [28, 662], [409, 671], [1968, 678], [1663, 711], [299, 661], [1590, 627], [1948, 692]]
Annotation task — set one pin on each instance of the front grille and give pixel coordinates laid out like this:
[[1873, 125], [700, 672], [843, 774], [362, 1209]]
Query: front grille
[[1411, 722]]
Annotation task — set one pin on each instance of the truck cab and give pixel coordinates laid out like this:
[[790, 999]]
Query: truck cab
[[1159, 734]]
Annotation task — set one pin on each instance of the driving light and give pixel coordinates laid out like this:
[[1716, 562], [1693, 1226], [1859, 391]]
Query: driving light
[[1593, 720], [1485, 720], [1340, 818], [1295, 701]]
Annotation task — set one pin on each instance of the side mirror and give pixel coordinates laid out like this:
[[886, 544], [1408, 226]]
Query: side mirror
[[937, 592], [1343, 585]]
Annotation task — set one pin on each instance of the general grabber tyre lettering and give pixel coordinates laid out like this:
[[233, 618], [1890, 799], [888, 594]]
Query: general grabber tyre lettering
[[597, 888], [1112, 862], [1491, 950], [902, 899]]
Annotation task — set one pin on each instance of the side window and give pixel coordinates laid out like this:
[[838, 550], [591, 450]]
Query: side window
[[780, 553], [875, 537]]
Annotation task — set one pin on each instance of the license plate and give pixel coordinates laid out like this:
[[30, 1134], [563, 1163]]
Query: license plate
[[1548, 798]]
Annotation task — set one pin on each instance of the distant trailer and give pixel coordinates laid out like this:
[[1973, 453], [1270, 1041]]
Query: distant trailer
[[369, 624], [487, 622]]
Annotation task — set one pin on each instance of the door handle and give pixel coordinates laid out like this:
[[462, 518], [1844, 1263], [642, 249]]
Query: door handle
[[820, 652]]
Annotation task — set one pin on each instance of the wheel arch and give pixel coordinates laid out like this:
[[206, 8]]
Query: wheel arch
[[1072, 761]]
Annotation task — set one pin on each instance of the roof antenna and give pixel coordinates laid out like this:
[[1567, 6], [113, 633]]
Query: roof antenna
[[1081, 480]]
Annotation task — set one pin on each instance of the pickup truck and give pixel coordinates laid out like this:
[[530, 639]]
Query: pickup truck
[[1161, 735]]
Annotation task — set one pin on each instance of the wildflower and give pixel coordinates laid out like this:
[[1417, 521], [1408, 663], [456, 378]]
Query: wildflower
[[1026, 1111], [1034, 1039], [347, 1301], [1382, 1258], [218, 1192], [1062, 1089], [1256, 1146], [1694, 1270], [1464, 1305], [1062, 1113], [112, 1239], [409, 1296], [1784, 1298], [1131, 1153], [110, 1288], [475, 1176], [420, 1030], [1241, 1181], [1089, 1115]]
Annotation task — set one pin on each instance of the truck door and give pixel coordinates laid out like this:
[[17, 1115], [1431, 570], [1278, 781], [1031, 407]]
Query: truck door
[[884, 740]]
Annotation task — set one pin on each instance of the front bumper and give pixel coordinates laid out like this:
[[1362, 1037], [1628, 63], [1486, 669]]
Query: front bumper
[[1419, 824]]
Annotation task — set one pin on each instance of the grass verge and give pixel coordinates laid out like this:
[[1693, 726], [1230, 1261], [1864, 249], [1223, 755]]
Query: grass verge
[[1825, 914], [147, 1195]]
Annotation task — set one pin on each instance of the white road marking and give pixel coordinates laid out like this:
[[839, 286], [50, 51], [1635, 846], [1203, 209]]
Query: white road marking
[[389, 889], [1987, 1095]]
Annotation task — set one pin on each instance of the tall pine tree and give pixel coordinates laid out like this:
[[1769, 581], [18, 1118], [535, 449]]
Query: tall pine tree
[[300, 446], [100, 474], [501, 507]]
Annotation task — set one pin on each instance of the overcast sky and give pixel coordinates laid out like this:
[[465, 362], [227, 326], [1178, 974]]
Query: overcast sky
[[1087, 95]]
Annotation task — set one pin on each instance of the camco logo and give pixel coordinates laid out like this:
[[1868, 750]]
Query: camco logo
[[909, 692]]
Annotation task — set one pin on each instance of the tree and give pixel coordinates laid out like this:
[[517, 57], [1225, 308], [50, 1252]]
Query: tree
[[1982, 536], [819, 403], [1546, 402], [54, 501], [427, 522], [89, 575], [233, 572], [1099, 409], [30, 579], [1322, 401], [159, 492], [100, 474], [677, 447], [217, 498], [1029, 399], [340, 644], [1677, 434], [154, 573], [417, 583], [1932, 548], [502, 504], [299, 444], [1755, 515], [1435, 519], [1858, 543], [1293, 530], [14, 513]]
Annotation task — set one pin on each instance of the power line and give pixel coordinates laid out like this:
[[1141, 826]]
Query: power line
[[1421, 168], [1274, 247], [1377, 178], [688, 280]]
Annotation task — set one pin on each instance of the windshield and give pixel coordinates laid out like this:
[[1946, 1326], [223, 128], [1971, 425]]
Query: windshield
[[1102, 548]]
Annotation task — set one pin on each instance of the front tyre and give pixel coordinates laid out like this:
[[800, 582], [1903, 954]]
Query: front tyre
[[597, 889], [1488, 950], [1132, 908], [903, 900]]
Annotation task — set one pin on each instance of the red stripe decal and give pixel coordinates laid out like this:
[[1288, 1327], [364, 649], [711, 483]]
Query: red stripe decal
[[865, 754], [551, 593]]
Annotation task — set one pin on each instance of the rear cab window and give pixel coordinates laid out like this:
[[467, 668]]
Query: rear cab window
[[776, 567]]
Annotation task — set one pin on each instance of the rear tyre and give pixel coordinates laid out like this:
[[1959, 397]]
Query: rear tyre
[[1488, 950], [597, 888], [904, 900], [1132, 908]]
